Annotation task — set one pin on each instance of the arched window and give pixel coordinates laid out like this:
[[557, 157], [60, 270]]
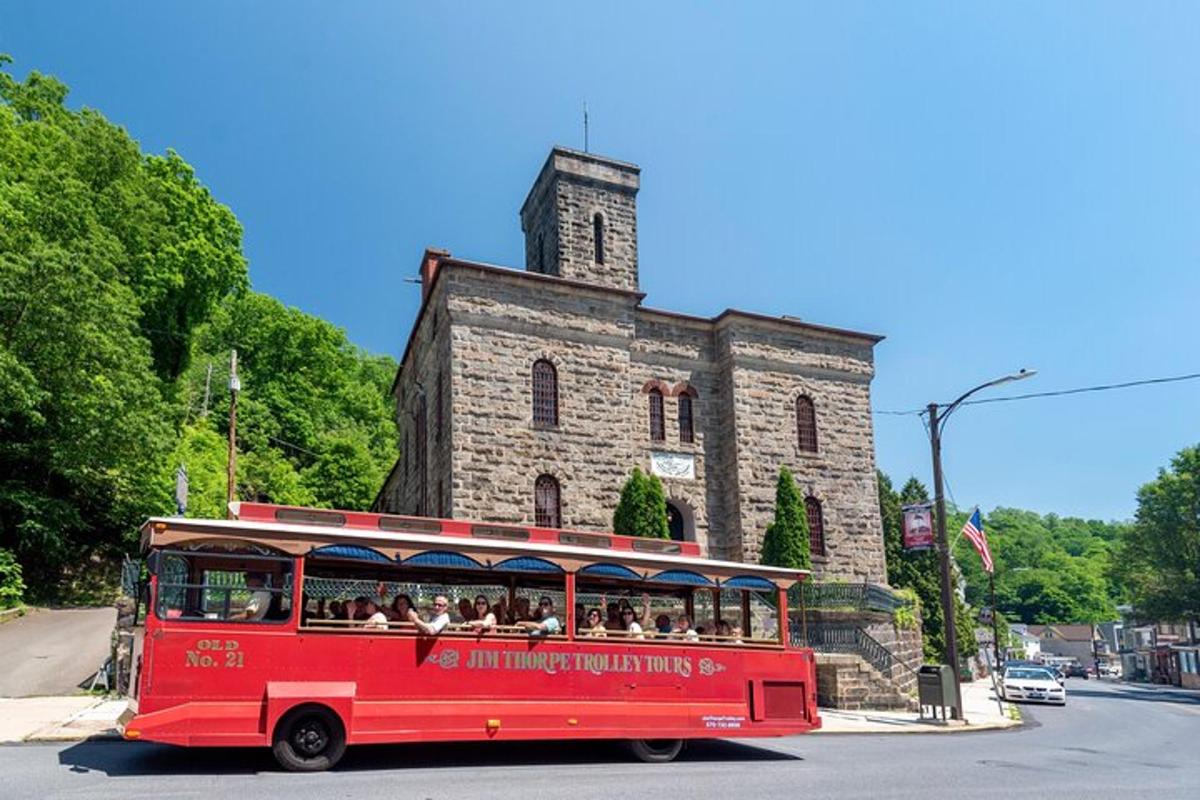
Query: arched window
[[541, 252], [545, 393], [598, 237], [658, 431], [686, 432], [816, 526], [806, 424], [547, 508]]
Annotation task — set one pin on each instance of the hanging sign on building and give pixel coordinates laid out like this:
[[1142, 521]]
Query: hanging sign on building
[[918, 527]]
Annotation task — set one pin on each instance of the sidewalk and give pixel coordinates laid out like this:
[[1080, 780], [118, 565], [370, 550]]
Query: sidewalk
[[58, 719], [979, 707]]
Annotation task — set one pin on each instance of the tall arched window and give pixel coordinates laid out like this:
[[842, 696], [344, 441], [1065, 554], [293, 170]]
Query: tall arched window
[[547, 506], [806, 424], [658, 431], [541, 252], [545, 393], [816, 526], [686, 432], [598, 237]]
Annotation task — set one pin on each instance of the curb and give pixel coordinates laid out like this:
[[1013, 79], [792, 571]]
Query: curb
[[9, 614], [906, 729], [110, 735]]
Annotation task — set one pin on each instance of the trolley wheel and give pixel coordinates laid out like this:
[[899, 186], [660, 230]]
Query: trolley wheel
[[309, 739], [655, 751]]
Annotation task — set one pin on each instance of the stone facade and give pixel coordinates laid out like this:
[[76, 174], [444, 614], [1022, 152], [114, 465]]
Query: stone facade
[[575, 197], [464, 391]]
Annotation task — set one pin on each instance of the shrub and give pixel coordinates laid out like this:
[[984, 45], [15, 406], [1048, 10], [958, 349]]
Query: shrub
[[12, 584]]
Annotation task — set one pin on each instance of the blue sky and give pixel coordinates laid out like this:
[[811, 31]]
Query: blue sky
[[990, 186]]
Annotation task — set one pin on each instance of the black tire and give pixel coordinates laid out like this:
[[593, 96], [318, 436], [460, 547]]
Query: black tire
[[309, 739], [655, 751]]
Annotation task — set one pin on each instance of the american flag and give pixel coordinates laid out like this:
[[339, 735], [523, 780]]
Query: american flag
[[973, 530]]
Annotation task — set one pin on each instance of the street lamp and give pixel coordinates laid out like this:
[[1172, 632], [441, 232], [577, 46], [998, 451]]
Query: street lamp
[[936, 424]]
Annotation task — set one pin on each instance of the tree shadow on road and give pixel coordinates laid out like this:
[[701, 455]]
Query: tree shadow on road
[[121, 759]]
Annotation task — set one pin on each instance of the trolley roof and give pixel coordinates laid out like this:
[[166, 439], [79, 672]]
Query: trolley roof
[[300, 532]]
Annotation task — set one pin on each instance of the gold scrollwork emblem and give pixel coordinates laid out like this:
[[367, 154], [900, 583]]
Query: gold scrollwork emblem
[[448, 659], [710, 667]]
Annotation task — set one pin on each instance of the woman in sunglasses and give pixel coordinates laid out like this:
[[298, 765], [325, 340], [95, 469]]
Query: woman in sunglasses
[[484, 620], [594, 624], [630, 624]]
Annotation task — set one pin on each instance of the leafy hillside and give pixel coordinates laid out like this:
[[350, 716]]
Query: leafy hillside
[[121, 279], [1048, 568]]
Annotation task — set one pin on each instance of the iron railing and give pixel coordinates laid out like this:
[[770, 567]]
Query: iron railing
[[845, 596], [834, 638]]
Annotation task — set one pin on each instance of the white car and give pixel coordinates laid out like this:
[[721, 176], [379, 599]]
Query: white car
[[1031, 684]]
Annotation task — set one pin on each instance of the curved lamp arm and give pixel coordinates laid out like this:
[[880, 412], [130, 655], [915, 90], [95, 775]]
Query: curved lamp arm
[[1016, 376]]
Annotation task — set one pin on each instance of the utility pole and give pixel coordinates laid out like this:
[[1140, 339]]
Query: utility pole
[[936, 424], [950, 632], [234, 387]]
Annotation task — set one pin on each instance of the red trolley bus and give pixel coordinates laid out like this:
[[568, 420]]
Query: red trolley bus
[[255, 636]]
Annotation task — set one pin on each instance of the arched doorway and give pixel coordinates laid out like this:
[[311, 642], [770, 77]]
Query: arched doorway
[[675, 523]]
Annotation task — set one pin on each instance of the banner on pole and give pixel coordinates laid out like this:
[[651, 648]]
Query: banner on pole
[[918, 526]]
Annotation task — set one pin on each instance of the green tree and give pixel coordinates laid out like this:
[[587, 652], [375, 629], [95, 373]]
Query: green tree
[[1159, 558], [786, 542], [118, 271], [12, 583], [920, 572], [315, 423], [1048, 568], [642, 509]]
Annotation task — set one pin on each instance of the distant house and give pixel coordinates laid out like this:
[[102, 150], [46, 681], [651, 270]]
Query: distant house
[[1023, 643], [1187, 659], [1161, 652], [1074, 641]]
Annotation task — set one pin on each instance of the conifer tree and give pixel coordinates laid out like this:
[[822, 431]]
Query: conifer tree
[[786, 543], [642, 509], [654, 510]]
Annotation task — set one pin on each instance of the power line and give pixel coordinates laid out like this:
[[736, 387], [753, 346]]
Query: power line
[[1102, 388], [1057, 393]]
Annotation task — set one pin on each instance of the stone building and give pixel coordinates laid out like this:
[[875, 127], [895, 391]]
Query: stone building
[[528, 396]]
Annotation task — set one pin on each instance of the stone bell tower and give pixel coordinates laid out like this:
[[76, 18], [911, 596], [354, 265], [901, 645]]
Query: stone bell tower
[[580, 220]]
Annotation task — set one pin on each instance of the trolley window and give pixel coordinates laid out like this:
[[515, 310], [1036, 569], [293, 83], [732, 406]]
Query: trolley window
[[221, 587]]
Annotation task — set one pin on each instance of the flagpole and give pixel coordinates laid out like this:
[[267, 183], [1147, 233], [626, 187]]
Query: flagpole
[[995, 612]]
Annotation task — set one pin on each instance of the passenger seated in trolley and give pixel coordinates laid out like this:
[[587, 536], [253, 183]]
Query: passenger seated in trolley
[[376, 619], [441, 617], [683, 629], [593, 625], [484, 619], [548, 625]]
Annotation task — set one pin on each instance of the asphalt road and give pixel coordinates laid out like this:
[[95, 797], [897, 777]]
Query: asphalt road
[[51, 651], [1109, 741]]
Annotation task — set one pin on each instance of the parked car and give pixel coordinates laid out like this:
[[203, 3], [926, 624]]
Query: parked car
[[1077, 671], [1032, 684], [1053, 670]]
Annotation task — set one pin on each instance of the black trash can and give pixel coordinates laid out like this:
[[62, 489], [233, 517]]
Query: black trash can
[[935, 688]]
